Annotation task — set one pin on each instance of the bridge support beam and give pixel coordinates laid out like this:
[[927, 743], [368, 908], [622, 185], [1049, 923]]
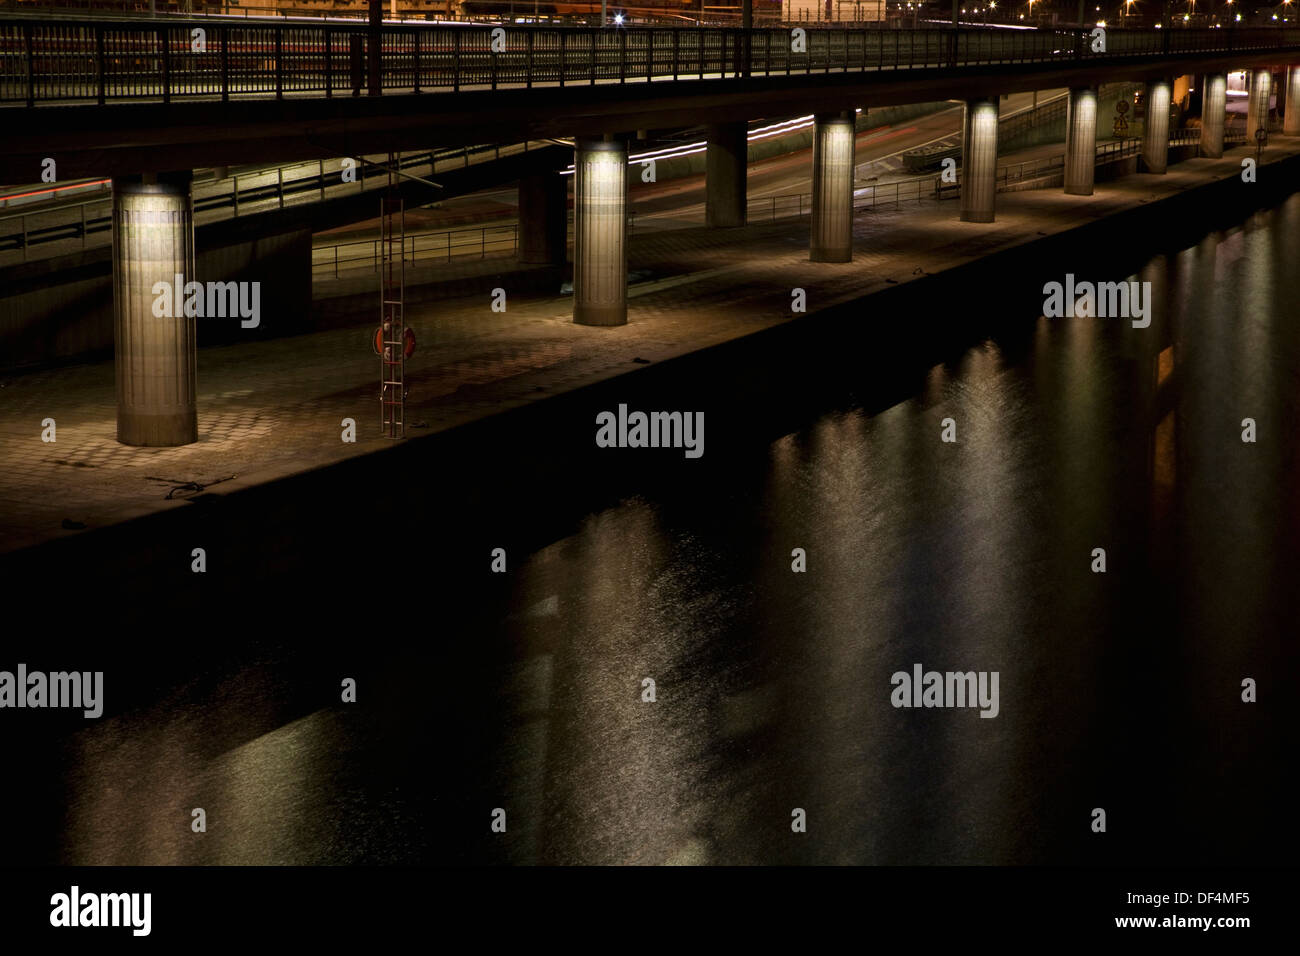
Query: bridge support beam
[[1155, 129], [600, 232], [1261, 87], [1081, 141], [725, 173], [1291, 109], [979, 160], [834, 138], [543, 218], [1214, 101], [153, 242]]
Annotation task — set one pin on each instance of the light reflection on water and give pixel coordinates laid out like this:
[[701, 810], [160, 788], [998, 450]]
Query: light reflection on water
[[772, 688]]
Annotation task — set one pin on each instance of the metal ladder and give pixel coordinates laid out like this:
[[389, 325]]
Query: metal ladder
[[392, 308]]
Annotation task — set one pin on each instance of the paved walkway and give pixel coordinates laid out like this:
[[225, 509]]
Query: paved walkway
[[269, 409]]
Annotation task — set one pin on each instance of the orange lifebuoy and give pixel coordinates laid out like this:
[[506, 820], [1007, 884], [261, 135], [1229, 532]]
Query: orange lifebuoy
[[408, 341]]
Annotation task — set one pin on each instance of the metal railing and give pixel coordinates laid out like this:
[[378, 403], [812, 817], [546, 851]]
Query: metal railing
[[931, 187], [246, 192], [43, 61], [338, 259]]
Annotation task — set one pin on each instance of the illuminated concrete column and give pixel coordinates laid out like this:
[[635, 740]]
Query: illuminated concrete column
[[1291, 114], [543, 218], [600, 232], [1213, 104], [979, 160], [1261, 86], [1155, 130], [1081, 141], [726, 170], [832, 198], [153, 243]]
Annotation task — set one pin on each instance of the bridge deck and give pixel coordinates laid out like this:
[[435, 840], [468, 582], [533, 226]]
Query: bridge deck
[[43, 62]]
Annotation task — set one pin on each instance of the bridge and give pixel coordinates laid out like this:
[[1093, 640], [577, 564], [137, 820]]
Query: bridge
[[146, 102], [193, 93]]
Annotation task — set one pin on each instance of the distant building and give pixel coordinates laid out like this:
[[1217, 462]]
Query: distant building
[[836, 11]]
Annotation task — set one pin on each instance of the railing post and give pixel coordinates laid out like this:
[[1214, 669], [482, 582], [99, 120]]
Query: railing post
[[622, 56], [31, 96], [320, 166], [225, 64], [415, 32], [99, 63], [594, 37], [329, 62], [530, 59], [676, 50], [455, 76], [494, 64], [166, 65]]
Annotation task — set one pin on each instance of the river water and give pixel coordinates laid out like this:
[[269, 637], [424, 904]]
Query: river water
[[525, 692]]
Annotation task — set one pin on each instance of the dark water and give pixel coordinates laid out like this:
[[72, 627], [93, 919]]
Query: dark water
[[1118, 690]]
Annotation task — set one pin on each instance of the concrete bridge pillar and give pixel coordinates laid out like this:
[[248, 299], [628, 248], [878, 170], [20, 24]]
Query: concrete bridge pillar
[[1081, 141], [1261, 86], [1291, 116], [600, 232], [154, 344], [834, 139], [725, 174], [1213, 104], [543, 218], [1155, 130], [979, 160]]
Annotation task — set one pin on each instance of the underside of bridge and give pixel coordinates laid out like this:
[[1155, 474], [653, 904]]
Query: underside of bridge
[[126, 138]]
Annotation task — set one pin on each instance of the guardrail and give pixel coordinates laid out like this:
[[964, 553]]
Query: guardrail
[[503, 239], [420, 249], [247, 192], [44, 61]]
